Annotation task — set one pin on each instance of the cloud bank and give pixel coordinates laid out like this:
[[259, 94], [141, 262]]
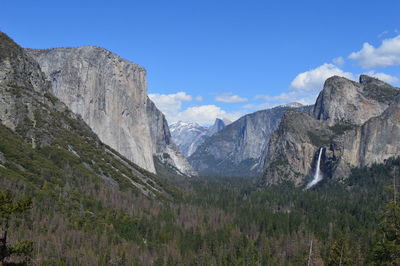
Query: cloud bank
[[388, 54], [305, 87], [171, 106]]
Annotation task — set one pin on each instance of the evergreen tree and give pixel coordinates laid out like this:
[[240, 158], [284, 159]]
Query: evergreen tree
[[387, 250], [9, 208], [338, 253]]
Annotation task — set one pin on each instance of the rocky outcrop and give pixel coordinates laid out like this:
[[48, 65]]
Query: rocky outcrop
[[18, 69], [218, 125], [189, 136], [241, 147], [110, 94], [346, 101], [355, 124], [165, 149]]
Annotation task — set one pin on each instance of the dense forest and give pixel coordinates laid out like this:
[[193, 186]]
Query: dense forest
[[75, 219]]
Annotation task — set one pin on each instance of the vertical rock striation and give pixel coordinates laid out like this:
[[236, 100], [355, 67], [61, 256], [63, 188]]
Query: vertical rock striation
[[110, 94], [63, 145]]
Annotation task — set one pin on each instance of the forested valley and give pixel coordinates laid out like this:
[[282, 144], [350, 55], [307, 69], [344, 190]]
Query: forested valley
[[77, 220]]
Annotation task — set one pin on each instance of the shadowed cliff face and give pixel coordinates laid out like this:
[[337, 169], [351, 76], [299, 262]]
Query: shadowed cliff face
[[110, 94], [18, 69], [357, 124]]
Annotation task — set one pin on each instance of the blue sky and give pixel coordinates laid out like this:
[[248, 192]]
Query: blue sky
[[208, 59]]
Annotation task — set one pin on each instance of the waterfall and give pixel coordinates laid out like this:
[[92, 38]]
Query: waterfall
[[317, 174]]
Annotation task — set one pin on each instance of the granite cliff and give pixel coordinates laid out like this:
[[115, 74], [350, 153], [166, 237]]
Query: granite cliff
[[44, 141], [110, 94], [355, 123]]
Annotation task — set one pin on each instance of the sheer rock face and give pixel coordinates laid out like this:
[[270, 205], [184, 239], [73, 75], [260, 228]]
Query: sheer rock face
[[356, 124], [291, 149], [110, 94], [240, 148], [218, 125], [33, 113], [380, 136]]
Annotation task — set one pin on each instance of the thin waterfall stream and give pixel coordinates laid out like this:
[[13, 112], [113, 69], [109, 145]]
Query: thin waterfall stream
[[317, 174]]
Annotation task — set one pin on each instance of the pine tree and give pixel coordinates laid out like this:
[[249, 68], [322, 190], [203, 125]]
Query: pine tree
[[338, 253], [387, 250], [9, 208]]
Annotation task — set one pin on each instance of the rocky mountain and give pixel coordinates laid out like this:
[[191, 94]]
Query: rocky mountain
[[218, 125], [185, 135], [346, 101], [189, 136], [240, 148], [43, 142], [353, 124], [110, 94]]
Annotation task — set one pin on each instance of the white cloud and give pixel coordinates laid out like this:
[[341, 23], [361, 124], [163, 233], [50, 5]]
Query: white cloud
[[305, 87], [230, 98], [171, 106], [314, 79], [388, 54], [384, 77], [338, 61], [204, 114], [199, 98], [170, 102]]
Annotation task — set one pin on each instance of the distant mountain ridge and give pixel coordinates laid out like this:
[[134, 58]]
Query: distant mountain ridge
[[240, 148], [189, 136]]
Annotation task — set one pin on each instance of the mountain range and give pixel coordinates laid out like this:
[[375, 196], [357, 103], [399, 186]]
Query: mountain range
[[241, 147], [189, 136], [351, 124]]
